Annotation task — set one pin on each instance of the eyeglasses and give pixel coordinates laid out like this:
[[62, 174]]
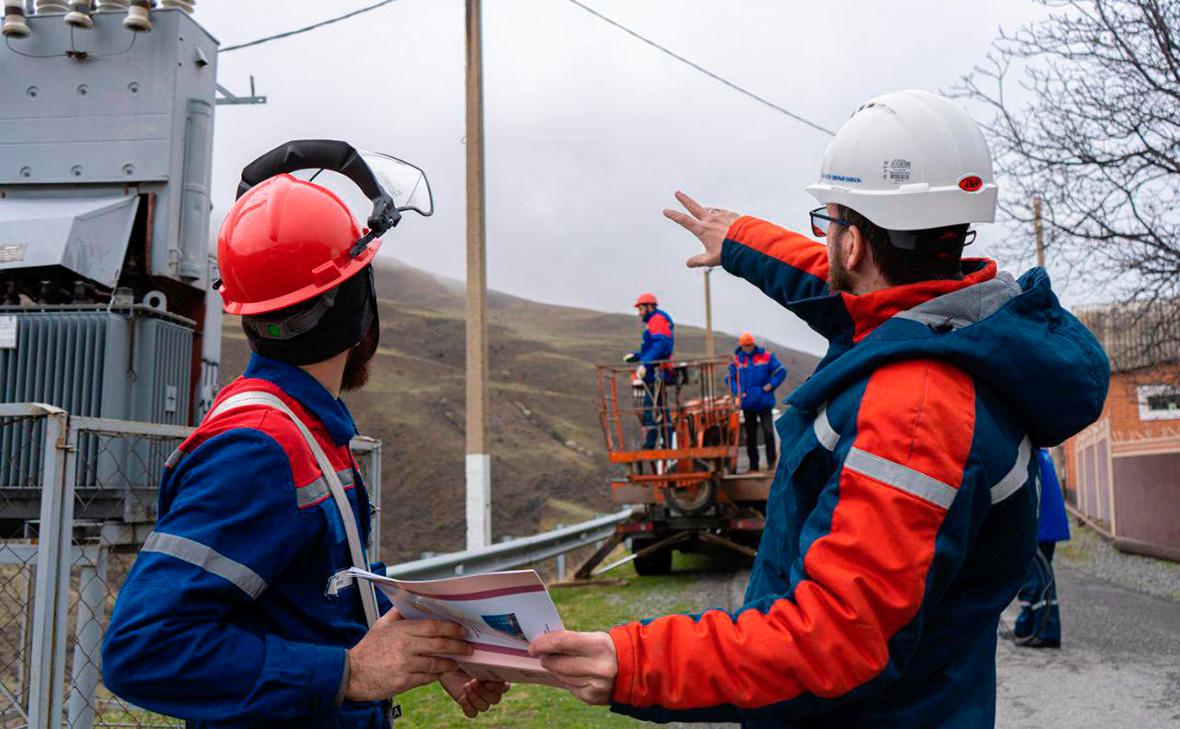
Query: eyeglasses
[[821, 221]]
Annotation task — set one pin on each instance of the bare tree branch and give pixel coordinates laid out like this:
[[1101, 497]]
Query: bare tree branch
[[1098, 140]]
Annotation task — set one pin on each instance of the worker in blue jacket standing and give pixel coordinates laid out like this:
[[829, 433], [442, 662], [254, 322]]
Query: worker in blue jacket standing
[[654, 358], [1039, 622], [239, 611], [754, 375]]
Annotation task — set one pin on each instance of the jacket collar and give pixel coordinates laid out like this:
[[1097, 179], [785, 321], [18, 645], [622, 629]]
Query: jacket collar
[[305, 389], [868, 311], [739, 353]]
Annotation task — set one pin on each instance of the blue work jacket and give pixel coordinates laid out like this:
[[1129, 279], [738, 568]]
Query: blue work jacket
[[1054, 525], [749, 374], [233, 614]]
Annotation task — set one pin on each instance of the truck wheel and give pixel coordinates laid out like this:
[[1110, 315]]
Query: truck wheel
[[692, 499], [654, 564]]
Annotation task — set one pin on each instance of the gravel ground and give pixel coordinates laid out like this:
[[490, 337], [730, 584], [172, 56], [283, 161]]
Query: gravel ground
[[1088, 552], [1118, 667]]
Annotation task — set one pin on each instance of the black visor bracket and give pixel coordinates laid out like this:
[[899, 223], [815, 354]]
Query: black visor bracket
[[334, 155]]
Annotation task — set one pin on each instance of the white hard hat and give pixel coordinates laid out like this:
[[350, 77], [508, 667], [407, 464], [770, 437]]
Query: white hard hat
[[910, 160]]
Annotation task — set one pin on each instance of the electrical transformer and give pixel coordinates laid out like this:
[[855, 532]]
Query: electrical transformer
[[106, 134]]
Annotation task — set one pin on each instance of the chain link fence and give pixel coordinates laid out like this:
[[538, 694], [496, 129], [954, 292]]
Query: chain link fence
[[77, 499]]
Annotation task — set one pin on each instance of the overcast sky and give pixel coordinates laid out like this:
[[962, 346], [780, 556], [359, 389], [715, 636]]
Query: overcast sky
[[588, 130]]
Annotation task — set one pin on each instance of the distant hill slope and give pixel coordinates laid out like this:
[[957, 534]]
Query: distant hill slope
[[546, 442]]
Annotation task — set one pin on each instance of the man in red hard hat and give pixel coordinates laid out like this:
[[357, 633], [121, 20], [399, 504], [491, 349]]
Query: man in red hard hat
[[239, 610], [653, 357]]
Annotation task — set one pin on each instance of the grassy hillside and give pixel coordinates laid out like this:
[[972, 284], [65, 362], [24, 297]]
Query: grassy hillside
[[546, 442]]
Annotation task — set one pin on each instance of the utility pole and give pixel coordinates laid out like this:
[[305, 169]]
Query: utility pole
[[1040, 232], [479, 462], [708, 314]]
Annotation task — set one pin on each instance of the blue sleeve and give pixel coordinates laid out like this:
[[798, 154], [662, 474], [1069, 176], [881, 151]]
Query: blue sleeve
[[778, 373], [1054, 521], [655, 349], [177, 643], [731, 379]]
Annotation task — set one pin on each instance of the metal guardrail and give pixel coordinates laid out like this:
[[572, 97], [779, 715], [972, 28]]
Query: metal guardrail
[[511, 554]]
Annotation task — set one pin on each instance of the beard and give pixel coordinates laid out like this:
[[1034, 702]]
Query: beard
[[356, 367], [838, 278]]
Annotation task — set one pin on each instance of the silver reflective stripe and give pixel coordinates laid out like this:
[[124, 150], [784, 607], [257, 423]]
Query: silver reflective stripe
[[1017, 476], [174, 458], [824, 432], [1037, 605], [901, 477], [312, 493], [318, 490], [208, 559]]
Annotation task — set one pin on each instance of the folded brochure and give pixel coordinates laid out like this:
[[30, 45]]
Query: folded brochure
[[502, 612]]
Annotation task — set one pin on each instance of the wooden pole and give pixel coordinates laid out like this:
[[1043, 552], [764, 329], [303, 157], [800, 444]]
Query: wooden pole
[[478, 461], [708, 314], [1040, 231]]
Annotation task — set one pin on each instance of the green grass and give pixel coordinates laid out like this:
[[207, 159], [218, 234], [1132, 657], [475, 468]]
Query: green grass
[[581, 608]]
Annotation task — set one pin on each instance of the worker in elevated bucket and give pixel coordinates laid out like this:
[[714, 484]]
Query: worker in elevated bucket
[[239, 611], [1039, 622], [903, 515], [654, 368], [754, 375]]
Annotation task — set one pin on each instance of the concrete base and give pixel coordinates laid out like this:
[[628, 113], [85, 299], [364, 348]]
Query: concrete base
[[479, 500]]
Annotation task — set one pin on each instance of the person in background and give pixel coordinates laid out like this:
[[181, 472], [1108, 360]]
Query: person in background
[[1039, 622], [754, 375], [653, 355]]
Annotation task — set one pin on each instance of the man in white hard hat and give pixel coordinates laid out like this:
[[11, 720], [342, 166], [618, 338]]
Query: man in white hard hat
[[904, 510]]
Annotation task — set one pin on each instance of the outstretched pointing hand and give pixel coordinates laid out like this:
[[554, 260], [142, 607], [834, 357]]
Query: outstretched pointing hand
[[709, 225]]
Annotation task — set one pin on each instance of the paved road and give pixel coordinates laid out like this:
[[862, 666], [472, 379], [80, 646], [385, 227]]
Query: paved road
[[1119, 667]]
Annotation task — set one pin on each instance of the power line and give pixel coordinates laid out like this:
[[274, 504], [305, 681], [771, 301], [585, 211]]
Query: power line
[[691, 64], [707, 72], [307, 28]]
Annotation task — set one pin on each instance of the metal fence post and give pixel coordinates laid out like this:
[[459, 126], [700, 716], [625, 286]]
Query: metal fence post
[[92, 592], [47, 655]]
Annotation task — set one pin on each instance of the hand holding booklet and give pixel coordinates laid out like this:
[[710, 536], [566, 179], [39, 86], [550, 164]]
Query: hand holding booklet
[[502, 612]]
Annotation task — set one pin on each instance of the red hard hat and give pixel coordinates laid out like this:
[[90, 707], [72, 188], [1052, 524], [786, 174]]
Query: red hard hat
[[746, 339], [285, 241], [646, 298]]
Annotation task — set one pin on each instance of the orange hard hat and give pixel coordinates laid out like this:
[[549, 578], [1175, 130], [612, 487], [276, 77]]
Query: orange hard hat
[[746, 339], [283, 242], [646, 298]]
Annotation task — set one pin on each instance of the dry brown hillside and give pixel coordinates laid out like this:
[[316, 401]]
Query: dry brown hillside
[[546, 442]]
